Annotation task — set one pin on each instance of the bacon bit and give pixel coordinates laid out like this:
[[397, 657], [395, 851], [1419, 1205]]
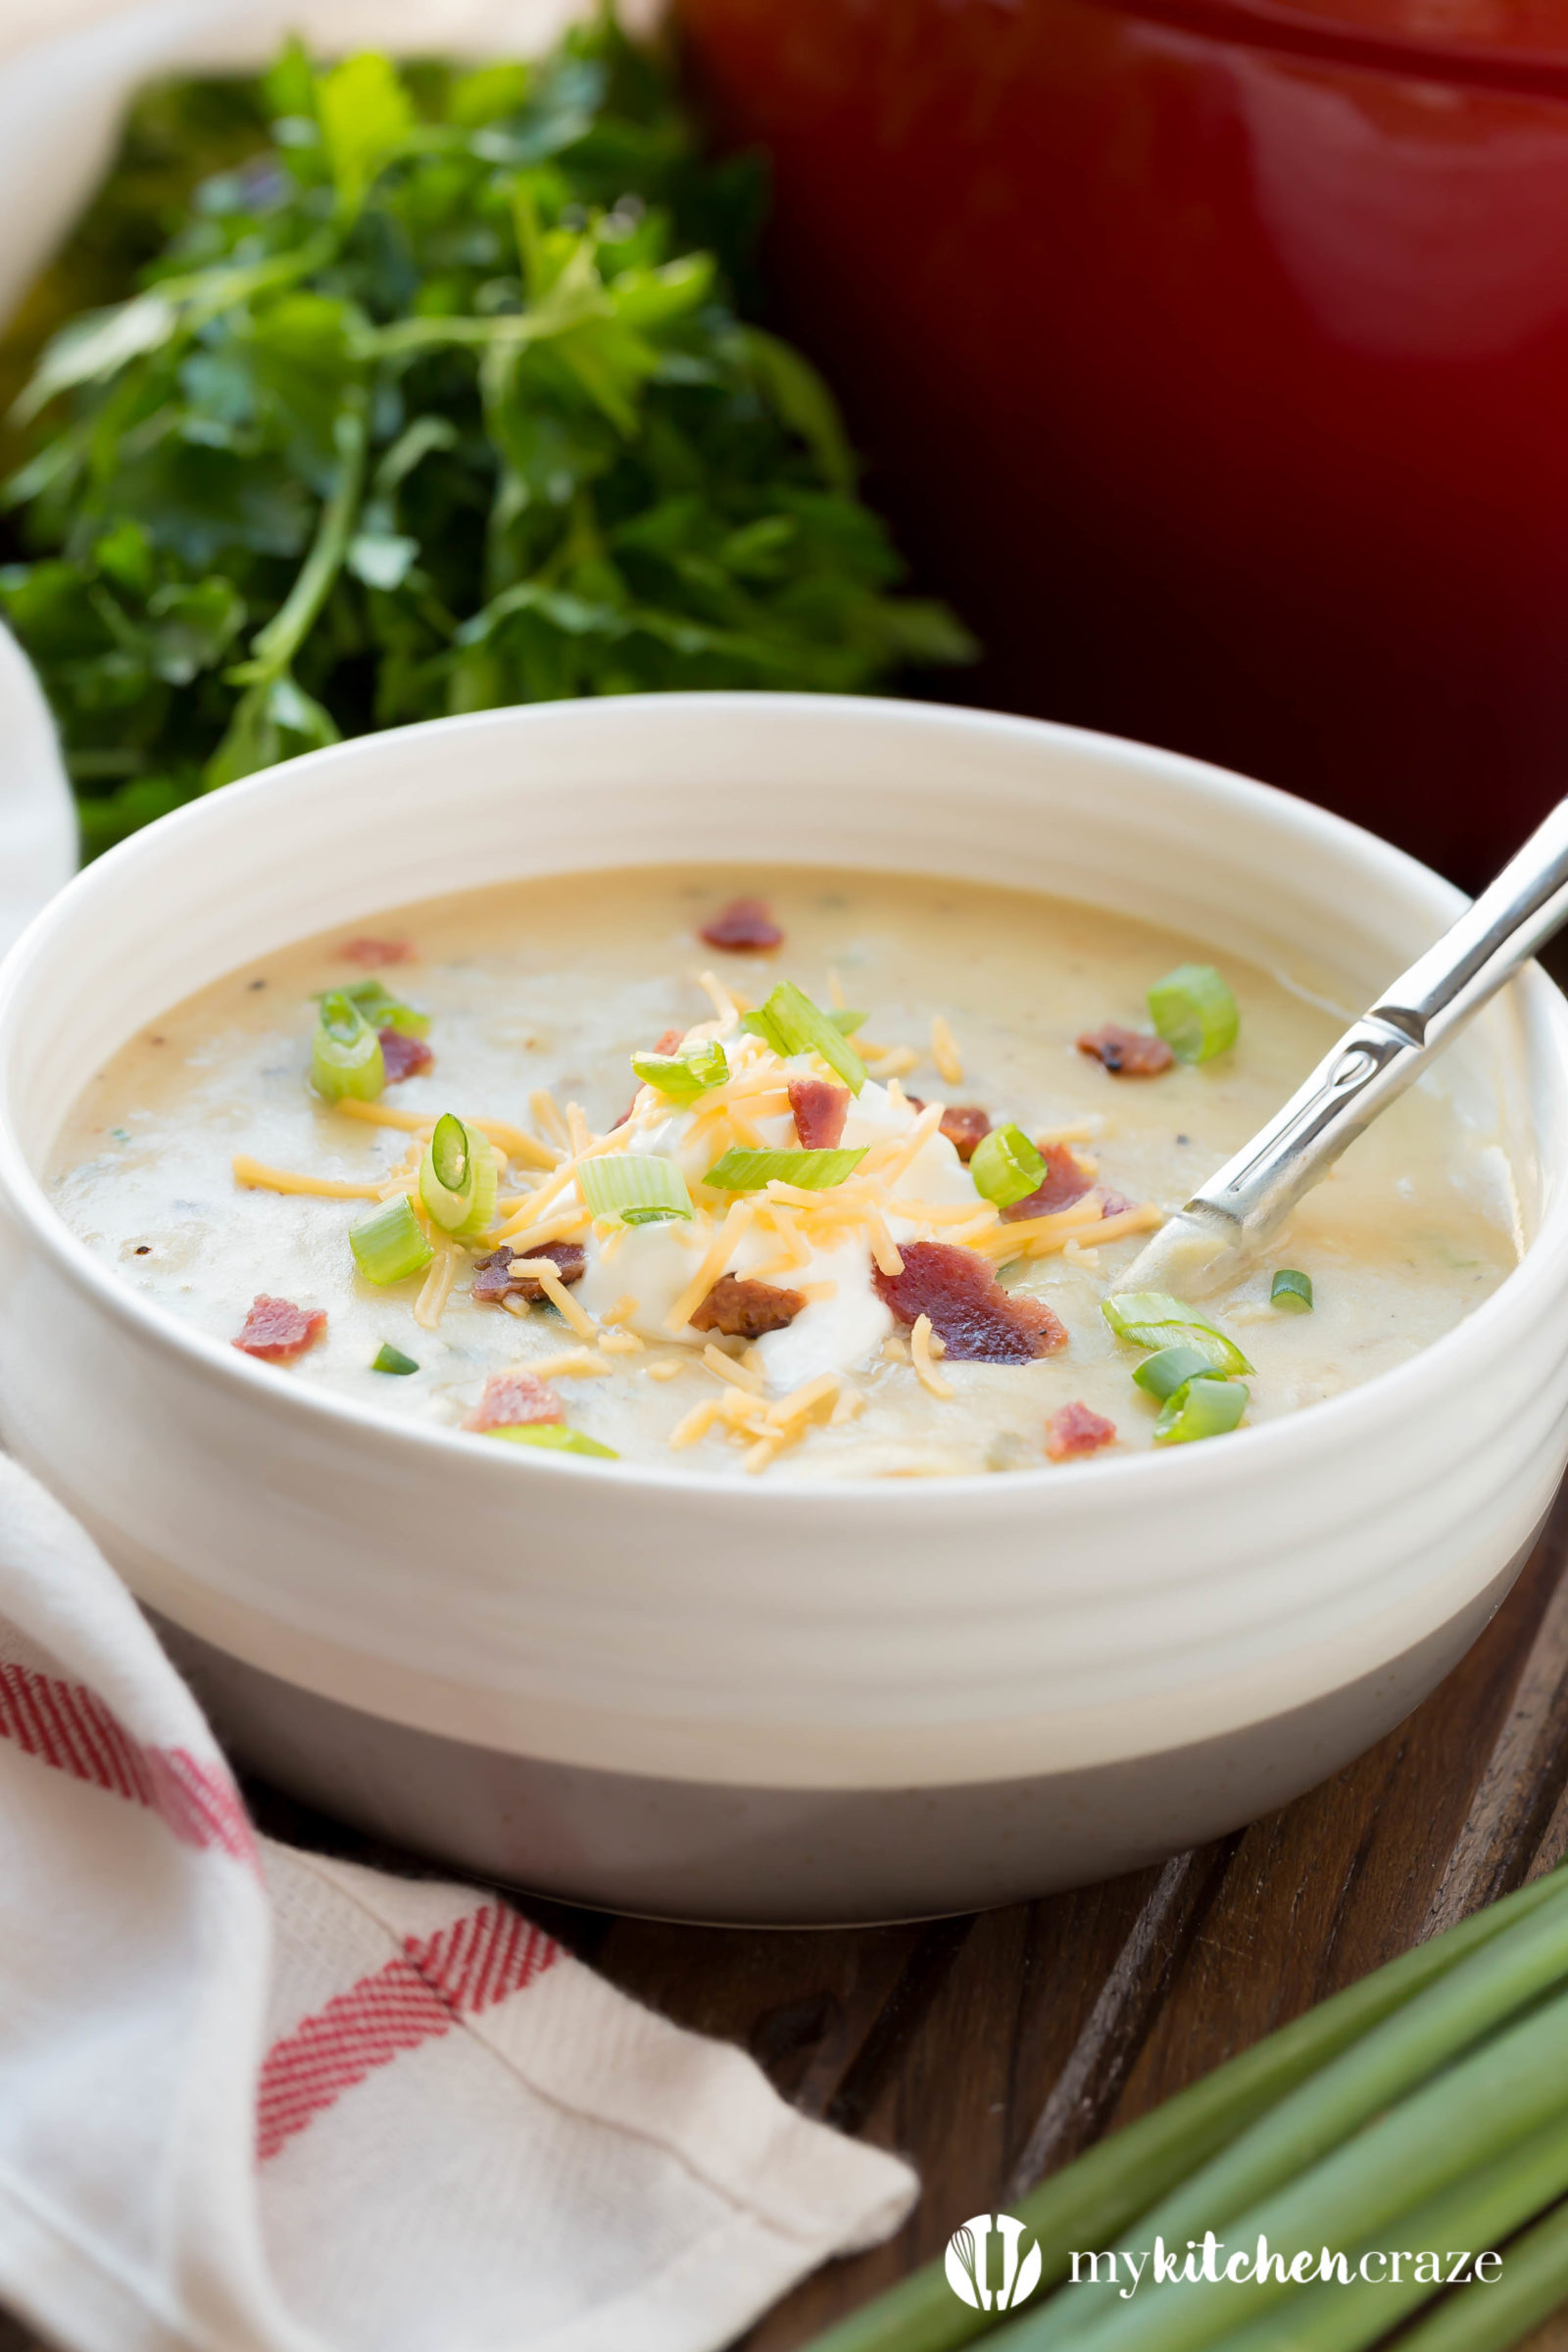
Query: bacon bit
[[1114, 1204], [820, 1112], [744, 1310], [277, 1331], [1064, 1182], [1075, 1431], [374, 953], [505, 1273], [977, 1321], [405, 1056], [1127, 1053], [515, 1401], [966, 1126], [745, 926]]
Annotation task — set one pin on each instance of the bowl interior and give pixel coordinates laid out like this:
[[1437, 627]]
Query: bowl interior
[[342, 835]]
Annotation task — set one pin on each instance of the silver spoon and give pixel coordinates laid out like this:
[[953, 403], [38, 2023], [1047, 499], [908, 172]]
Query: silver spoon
[[1229, 1219]]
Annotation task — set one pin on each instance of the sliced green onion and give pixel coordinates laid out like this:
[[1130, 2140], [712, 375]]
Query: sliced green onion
[[843, 1018], [1006, 1166], [762, 1026], [1195, 1012], [684, 1076], [806, 1029], [345, 1052], [813, 1171], [1201, 1408], [458, 1177], [640, 1187], [391, 1244], [1291, 1290], [1153, 1319], [380, 1007], [388, 1358], [557, 1435], [1171, 1369]]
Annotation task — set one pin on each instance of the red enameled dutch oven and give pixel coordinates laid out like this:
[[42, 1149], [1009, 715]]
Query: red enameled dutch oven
[[1213, 356]]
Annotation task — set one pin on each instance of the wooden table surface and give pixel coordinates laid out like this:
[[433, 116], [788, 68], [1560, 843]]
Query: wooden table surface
[[989, 2049]]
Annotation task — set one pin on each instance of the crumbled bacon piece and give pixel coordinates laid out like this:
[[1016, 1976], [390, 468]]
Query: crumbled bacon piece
[[503, 1274], [1075, 1431], [745, 926], [515, 1401], [819, 1111], [372, 954], [976, 1320], [744, 1310], [1063, 1182], [1127, 1053], [277, 1331], [405, 1056], [966, 1126], [1114, 1204]]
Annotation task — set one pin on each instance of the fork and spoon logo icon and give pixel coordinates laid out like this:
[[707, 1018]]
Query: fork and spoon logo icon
[[993, 2261]]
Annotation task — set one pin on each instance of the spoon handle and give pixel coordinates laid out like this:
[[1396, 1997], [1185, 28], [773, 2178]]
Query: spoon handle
[[1390, 1046]]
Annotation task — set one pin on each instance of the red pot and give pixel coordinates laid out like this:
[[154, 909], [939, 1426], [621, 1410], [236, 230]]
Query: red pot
[[1212, 357]]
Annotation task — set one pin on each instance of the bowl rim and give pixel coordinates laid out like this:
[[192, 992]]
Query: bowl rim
[[1392, 1393]]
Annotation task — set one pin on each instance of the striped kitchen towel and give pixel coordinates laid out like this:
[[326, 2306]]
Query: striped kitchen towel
[[252, 2101]]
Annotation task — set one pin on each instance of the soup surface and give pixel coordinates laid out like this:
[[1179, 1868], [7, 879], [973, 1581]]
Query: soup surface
[[707, 1288]]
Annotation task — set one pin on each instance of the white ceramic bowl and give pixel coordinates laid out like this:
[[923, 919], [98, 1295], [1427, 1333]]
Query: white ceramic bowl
[[644, 1688]]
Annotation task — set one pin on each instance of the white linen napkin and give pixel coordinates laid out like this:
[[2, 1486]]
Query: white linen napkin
[[252, 2101]]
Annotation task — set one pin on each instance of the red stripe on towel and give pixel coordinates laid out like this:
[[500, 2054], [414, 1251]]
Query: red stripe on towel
[[480, 1959], [69, 1728]]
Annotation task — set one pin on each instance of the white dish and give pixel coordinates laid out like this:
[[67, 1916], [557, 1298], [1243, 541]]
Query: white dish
[[641, 1687]]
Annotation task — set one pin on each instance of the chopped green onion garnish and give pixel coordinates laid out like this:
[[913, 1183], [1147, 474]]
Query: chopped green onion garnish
[[1153, 1319], [684, 1076], [803, 1028], [1292, 1291], [1195, 1012], [1201, 1408], [380, 1007], [1006, 1166], [760, 1026], [843, 1018], [346, 1052], [640, 1187], [557, 1435], [458, 1177], [813, 1171], [388, 1358], [1162, 1375], [390, 1245]]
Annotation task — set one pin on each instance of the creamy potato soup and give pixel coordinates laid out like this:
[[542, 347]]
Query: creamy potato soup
[[794, 1175]]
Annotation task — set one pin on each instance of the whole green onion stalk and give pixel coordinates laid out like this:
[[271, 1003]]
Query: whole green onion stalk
[[1094, 2201]]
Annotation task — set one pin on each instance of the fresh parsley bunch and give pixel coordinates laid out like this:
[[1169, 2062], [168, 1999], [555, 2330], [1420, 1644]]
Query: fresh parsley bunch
[[436, 400]]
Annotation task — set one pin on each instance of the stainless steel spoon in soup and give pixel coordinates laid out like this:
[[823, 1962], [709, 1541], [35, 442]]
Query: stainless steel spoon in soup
[[1228, 1220]]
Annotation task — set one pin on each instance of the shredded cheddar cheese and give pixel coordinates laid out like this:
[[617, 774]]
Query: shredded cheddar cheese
[[715, 1259], [547, 1113], [729, 1369], [945, 1053], [921, 1339], [255, 1177], [574, 1363], [561, 1300], [442, 1273]]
